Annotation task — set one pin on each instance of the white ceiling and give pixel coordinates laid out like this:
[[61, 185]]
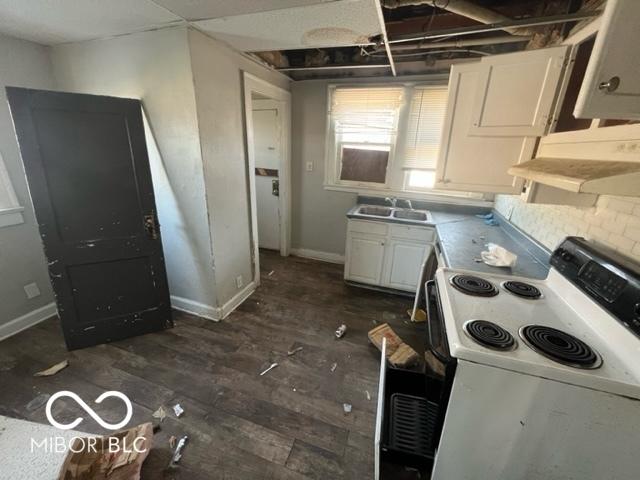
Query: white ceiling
[[204, 9], [248, 25], [50, 22], [332, 24]]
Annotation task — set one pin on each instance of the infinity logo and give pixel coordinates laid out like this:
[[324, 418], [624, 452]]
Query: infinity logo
[[89, 410]]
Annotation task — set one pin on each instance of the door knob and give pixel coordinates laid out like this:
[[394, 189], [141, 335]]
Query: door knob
[[609, 86]]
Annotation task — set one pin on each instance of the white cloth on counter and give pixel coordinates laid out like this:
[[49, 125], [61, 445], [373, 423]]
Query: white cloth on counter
[[498, 256]]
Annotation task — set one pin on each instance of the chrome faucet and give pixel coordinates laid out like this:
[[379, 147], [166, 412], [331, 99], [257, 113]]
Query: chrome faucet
[[392, 201]]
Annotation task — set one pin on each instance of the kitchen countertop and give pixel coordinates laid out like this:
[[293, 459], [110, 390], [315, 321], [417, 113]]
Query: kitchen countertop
[[462, 236]]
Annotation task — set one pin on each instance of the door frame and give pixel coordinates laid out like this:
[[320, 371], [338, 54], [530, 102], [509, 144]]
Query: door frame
[[282, 97]]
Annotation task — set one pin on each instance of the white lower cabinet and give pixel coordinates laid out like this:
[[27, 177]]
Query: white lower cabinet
[[403, 263], [366, 257], [386, 255]]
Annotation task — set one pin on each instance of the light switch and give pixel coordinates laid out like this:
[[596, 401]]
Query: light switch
[[309, 166], [239, 281], [32, 290]]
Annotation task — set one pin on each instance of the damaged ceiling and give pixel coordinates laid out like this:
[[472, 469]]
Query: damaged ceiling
[[422, 36]]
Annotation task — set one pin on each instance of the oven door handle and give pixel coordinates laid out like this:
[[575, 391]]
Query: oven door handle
[[434, 314]]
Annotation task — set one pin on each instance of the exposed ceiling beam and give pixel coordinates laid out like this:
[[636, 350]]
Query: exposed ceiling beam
[[505, 39], [385, 39], [526, 22], [334, 67]]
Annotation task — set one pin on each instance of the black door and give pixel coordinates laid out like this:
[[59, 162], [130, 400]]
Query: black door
[[86, 163]]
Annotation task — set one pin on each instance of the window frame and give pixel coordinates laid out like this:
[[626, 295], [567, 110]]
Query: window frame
[[397, 177], [333, 146]]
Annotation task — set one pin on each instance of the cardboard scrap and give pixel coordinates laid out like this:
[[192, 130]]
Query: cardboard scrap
[[53, 369], [102, 462], [399, 353], [420, 316], [160, 413]]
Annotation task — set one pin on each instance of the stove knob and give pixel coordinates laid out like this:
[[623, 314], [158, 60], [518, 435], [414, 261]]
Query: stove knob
[[566, 256]]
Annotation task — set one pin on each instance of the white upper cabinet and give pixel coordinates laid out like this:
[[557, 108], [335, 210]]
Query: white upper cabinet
[[611, 87], [516, 92], [476, 163]]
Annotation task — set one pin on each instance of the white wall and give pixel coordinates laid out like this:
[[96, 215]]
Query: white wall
[[613, 221], [22, 64], [155, 67], [217, 74], [318, 217]]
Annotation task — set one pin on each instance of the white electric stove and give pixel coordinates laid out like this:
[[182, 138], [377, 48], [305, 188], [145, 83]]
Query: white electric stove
[[542, 376]]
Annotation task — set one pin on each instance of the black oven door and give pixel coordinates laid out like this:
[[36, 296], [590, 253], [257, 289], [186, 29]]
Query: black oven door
[[436, 344]]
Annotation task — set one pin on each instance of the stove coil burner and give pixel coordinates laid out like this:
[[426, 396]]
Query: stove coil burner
[[474, 285], [560, 346], [522, 289], [489, 334]]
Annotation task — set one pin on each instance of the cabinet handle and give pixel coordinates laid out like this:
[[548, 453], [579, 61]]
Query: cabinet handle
[[610, 86]]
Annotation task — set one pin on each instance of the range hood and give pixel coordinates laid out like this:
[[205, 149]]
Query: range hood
[[597, 160], [603, 177]]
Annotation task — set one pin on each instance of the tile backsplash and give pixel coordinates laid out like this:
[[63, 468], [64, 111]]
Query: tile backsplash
[[613, 221]]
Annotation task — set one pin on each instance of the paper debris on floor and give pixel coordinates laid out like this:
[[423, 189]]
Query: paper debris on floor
[[399, 353], [178, 410], [368, 395], [172, 441], [334, 366], [294, 351], [160, 413], [53, 369], [104, 461], [177, 453], [347, 407]]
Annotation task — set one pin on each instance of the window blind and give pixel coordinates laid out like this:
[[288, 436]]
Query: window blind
[[367, 113], [424, 127]]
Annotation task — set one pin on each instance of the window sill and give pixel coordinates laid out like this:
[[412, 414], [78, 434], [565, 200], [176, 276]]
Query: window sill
[[11, 216], [439, 196]]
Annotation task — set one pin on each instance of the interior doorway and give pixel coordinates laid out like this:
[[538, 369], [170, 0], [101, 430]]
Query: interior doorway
[[268, 152], [268, 120]]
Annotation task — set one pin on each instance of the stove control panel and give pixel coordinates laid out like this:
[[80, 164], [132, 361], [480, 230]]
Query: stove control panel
[[606, 276]]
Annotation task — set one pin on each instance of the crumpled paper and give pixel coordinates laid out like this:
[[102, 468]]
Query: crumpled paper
[[498, 256]]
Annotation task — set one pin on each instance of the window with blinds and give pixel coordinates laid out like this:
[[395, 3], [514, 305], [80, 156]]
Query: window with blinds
[[365, 125], [424, 128]]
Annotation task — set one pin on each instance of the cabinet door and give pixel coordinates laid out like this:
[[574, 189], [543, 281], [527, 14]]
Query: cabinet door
[[471, 163], [365, 257], [516, 91], [404, 264], [610, 88]]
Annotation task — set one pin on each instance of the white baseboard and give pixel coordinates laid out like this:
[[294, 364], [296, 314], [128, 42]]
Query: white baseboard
[[208, 311], [28, 320], [195, 308], [237, 299], [318, 255]]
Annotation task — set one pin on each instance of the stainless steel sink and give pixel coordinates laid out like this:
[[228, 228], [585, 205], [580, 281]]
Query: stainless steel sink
[[375, 211], [414, 215]]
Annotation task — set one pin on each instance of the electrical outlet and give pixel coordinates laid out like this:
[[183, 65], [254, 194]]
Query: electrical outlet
[[32, 290], [239, 281], [309, 166]]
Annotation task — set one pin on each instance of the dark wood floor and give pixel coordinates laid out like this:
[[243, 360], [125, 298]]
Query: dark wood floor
[[288, 424]]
